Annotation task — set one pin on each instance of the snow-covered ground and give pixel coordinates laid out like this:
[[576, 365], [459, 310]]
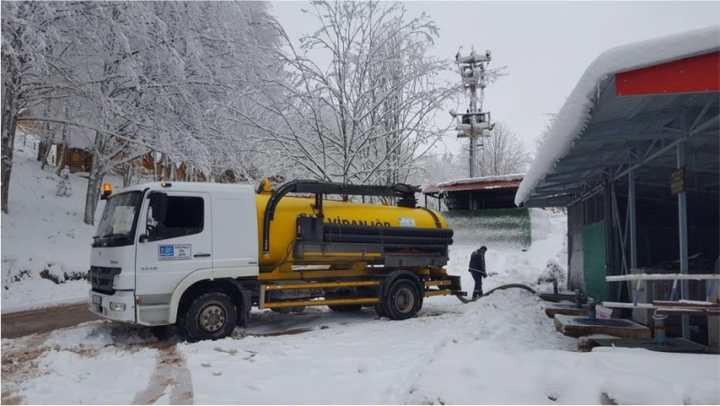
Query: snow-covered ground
[[501, 349], [42, 233]]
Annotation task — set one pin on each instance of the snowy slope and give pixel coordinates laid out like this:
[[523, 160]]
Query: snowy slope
[[42, 232], [572, 117]]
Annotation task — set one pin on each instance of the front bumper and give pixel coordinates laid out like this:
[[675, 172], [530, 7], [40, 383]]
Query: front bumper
[[119, 306]]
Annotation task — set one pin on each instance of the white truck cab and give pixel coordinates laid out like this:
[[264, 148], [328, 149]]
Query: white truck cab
[[156, 240]]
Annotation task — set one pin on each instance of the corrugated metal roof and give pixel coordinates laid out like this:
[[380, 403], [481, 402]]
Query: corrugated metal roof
[[595, 129], [598, 135]]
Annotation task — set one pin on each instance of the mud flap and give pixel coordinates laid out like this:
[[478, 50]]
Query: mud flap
[[455, 285], [243, 315]]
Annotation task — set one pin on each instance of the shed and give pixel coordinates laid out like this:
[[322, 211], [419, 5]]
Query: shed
[[486, 192], [634, 155]]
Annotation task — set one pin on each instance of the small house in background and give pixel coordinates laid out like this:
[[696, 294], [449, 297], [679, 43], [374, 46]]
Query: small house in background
[[482, 209], [78, 159], [486, 192], [69, 146]]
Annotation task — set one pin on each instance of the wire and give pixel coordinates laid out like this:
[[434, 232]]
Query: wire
[[501, 287]]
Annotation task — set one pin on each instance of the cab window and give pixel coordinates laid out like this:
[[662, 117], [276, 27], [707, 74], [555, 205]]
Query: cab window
[[174, 216]]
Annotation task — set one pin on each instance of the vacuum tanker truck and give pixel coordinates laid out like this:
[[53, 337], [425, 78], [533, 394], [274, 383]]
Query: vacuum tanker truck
[[201, 255]]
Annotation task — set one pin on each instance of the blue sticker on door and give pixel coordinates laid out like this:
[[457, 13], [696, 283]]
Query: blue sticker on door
[[174, 251]]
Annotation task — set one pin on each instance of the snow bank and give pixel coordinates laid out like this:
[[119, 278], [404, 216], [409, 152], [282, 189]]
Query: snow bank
[[510, 262], [45, 244], [572, 118], [482, 372]]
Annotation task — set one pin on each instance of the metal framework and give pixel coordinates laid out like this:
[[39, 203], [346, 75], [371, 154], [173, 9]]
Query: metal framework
[[403, 192], [474, 123], [639, 141]]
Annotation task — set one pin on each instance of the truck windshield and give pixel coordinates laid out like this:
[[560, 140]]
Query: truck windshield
[[117, 225]]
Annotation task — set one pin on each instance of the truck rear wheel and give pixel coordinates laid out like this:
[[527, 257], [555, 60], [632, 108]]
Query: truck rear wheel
[[210, 316], [402, 301]]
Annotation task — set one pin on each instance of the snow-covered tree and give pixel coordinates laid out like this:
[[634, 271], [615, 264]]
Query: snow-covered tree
[[138, 77], [367, 115], [32, 41], [437, 167]]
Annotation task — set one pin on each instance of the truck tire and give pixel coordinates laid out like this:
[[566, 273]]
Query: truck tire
[[345, 308], [210, 316], [402, 300]]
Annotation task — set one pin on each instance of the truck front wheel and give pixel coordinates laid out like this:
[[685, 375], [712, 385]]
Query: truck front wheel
[[210, 316]]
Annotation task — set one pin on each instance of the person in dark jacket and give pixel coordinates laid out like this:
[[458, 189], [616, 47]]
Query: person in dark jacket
[[477, 270]]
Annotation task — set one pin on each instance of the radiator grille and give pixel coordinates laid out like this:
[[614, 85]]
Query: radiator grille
[[101, 278]]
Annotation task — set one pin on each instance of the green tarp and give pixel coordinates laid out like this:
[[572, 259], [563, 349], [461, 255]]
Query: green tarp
[[594, 260]]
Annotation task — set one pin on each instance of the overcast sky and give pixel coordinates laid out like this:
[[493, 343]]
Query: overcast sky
[[545, 45]]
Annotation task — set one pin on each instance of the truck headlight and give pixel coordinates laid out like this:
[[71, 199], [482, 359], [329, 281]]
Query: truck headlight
[[117, 307]]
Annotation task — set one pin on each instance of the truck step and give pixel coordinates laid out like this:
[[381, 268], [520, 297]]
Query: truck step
[[321, 285], [320, 302]]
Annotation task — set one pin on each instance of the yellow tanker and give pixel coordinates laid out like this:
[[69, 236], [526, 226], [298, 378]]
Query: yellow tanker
[[347, 255], [347, 235], [283, 226]]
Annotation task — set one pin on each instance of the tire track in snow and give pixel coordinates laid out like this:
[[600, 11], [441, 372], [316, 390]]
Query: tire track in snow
[[409, 394], [453, 331], [19, 363], [170, 372], [403, 390]]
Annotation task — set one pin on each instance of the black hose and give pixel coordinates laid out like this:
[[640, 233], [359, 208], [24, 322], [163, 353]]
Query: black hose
[[501, 287]]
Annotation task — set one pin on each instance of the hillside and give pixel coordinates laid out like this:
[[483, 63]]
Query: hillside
[[43, 236]]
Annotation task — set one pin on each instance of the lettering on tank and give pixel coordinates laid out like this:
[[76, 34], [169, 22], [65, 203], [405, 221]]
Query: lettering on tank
[[354, 222]]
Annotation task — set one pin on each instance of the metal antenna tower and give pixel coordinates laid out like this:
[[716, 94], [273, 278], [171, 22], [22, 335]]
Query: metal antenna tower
[[474, 123]]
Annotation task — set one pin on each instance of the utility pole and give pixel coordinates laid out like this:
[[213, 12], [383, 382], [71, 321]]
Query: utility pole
[[474, 124]]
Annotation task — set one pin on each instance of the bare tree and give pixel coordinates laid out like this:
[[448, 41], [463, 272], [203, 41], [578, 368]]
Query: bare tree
[[502, 153], [367, 116]]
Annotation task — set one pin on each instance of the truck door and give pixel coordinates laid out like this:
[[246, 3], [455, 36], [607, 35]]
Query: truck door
[[175, 242]]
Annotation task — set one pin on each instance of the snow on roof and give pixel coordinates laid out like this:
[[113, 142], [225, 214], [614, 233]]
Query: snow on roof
[[572, 118], [485, 181], [482, 179], [206, 187]]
